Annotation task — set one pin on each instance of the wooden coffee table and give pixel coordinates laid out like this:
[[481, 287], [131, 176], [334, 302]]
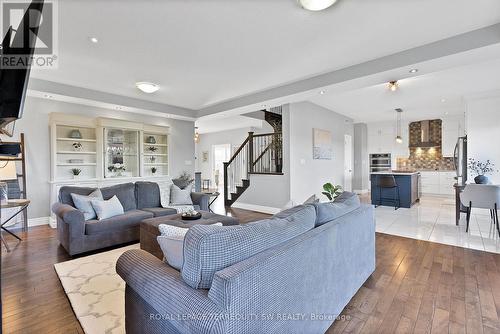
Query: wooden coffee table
[[149, 228]]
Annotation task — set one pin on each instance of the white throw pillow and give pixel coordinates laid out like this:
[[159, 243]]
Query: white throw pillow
[[165, 192], [180, 196], [83, 203], [107, 209], [171, 241]]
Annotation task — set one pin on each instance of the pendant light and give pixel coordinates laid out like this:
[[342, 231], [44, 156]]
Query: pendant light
[[393, 86], [399, 137], [196, 135]]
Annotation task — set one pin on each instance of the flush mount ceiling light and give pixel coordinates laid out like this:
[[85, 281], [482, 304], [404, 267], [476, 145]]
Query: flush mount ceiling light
[[94, 40], [322, 92], [393, 86], [147, 87], [316, 5], [414, 70], [399, 114]]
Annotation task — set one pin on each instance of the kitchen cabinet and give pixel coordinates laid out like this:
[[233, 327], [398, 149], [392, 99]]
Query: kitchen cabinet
[[437, 182], [382, 139], [451, 129]]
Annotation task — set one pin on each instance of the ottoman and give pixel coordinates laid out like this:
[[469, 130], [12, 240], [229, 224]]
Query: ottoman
[[149, 228]]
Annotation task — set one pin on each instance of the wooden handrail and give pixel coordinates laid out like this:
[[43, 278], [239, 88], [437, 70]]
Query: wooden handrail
[[250, 134], [268, 134]]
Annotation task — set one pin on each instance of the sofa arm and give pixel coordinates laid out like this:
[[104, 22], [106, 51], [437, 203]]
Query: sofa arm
[[161, 286], [200, 199], [71, 216]]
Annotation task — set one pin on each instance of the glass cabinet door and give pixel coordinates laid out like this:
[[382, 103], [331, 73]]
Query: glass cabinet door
[[121, 153]]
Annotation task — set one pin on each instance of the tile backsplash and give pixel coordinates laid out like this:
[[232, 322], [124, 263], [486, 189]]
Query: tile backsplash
[[425, 158]]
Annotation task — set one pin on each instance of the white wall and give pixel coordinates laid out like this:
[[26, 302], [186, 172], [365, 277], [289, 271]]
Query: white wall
[[307, 176], [483, 132], [35, 125]]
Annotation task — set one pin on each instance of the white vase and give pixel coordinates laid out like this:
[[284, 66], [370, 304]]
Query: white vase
[[76, 177]]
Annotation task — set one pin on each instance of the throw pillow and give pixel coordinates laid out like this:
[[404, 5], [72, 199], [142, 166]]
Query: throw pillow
[[83, 203], [311, 200], [180, 196], [165, 193], [171, 241], [107, 208]]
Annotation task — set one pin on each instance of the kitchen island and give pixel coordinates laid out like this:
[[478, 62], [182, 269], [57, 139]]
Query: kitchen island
[[408, 184]]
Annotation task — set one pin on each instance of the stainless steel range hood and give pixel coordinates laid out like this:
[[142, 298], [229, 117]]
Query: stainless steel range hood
[[425, 136]]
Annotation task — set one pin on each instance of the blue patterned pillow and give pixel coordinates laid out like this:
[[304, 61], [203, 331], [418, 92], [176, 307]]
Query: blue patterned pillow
[[208, 248]]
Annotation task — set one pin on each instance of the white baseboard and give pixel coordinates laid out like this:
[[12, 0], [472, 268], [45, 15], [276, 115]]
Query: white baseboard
[[52, 222], [38, 221], [257, 208], [362, 191]]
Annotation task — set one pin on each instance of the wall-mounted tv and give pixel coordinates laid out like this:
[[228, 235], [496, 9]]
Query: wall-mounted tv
[[17, 44]]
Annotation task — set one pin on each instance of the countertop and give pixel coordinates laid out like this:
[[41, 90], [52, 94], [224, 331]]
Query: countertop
[[395, 173]]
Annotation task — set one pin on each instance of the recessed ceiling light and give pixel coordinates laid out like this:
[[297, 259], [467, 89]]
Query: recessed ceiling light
[[316, 5], [443, 100], [147, 87], [94, 40], [118, 108], [414, 70], [446, 113], [322, 92], [48, 96]]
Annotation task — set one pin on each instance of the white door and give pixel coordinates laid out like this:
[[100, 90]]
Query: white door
[[348, 163], [220, 154]]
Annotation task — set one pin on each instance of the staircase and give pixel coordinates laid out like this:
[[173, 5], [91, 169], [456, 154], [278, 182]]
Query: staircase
[[259, 154]]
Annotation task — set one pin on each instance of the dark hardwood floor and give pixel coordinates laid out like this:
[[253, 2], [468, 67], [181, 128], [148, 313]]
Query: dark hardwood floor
[[418, 287]]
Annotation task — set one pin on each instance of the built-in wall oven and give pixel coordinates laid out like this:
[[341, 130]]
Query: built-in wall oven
[[380, 162]]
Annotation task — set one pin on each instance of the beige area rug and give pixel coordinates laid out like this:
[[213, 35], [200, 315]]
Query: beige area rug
[[96, 292]]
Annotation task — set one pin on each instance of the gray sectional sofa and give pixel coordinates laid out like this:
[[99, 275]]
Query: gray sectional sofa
[[140, 200], [293, 273]]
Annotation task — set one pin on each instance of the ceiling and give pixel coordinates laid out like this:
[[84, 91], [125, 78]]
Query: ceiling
[[421, 97], [204, 52]]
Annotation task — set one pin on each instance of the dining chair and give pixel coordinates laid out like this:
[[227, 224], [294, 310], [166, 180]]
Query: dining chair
[[482, 196]]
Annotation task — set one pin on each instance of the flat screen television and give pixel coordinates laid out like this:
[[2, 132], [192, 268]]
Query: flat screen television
[[14, 79]]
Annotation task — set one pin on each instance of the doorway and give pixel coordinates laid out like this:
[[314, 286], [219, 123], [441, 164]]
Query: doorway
[[348, 162], [220, 153]]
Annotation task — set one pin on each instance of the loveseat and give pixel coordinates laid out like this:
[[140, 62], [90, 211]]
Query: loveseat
[[292, 273], [140, 200]]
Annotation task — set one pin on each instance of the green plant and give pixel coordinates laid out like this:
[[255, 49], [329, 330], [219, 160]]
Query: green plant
[[76, 171], [331, 191], [185, 176], [153, 170]]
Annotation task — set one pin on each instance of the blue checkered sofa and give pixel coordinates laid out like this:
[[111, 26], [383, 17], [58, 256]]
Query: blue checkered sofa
[[292, 273]]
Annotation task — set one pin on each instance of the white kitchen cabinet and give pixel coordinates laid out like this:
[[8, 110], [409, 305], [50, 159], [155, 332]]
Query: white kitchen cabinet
[[450, 131], [446, 182], [437, 182]]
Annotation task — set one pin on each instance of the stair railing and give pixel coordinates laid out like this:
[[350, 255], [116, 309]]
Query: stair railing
[[259, 154], [236, 169]]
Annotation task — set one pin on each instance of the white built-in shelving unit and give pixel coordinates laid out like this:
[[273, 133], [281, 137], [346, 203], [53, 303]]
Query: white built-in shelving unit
[[103, 143]]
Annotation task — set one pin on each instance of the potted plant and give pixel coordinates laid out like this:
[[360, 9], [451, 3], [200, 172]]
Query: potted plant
[[153, 170], [117, 168], [76, 172], [481, 169], [331, 191], [152, 149]]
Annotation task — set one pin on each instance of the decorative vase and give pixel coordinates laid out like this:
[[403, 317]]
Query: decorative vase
[[151, 140], [75, 134], [76, 176], [481, 179]]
